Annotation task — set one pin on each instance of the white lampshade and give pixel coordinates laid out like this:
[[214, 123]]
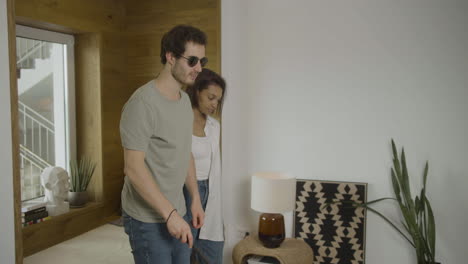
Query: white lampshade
[[273, 192]]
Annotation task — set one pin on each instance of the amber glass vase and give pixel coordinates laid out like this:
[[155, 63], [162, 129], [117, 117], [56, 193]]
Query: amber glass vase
[[271, 230]]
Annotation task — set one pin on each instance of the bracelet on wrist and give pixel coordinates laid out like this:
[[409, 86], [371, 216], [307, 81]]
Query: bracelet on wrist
[[174, 210]]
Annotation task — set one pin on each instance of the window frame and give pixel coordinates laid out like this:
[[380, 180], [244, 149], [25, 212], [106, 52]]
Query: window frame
[[69, 80]]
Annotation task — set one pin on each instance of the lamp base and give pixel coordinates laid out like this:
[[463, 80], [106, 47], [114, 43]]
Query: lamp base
[[271, 230]]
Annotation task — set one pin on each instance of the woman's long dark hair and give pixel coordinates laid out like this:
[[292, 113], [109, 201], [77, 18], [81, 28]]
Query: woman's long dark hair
[[204, 79]]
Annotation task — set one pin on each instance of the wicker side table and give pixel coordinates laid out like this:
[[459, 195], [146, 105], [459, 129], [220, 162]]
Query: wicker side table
[[291, 251]]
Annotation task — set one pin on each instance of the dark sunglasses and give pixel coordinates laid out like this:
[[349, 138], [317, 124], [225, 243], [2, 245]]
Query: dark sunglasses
[[193, 60]]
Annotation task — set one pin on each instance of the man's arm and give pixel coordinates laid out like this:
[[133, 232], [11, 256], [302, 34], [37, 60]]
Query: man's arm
[[198, 216], [141, 179]]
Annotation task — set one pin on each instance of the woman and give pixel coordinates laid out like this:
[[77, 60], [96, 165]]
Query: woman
[[206, 96]]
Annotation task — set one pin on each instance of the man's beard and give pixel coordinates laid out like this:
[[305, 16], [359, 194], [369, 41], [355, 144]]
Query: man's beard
[[178, 76]]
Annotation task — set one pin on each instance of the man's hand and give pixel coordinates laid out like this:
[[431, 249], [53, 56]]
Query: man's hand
[[179, 229], [198, 215]]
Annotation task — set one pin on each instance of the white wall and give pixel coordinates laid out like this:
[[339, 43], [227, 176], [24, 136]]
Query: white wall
[[7, 228], [318, 88]]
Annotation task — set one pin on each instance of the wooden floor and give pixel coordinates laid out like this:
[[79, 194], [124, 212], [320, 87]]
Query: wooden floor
[[107, 244]]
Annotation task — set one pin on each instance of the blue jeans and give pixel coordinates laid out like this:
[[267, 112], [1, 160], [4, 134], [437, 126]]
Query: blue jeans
[[204, 251], [152, 243]]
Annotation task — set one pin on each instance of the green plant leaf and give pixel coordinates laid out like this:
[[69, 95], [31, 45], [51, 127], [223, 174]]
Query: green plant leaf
[[426, 170], [431, 236], [396, 162], [417, 205], [396, 185], [412, 214], [375, 201], [405, 226], [81, 173], [405, 180]]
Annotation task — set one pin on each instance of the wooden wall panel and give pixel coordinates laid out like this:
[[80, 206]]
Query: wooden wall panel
[[83, 15], [144, 7], [113, 98], [148, 20], [15, 131], [88, 106]]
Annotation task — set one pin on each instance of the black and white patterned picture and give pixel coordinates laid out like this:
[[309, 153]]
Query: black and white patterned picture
[[335, 233]]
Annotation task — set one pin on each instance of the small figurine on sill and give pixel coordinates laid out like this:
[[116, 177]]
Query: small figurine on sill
[[56, 185]]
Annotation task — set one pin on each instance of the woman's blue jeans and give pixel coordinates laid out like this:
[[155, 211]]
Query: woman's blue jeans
[[152, 243], [204, 251]]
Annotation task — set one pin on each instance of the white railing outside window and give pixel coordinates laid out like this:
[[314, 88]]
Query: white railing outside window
[[36, 133], [29, 49], [31, 167]]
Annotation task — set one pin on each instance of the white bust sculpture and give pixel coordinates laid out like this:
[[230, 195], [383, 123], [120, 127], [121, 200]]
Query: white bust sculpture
[[56, 185]]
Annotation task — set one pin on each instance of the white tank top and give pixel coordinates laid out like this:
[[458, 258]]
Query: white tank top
[[201, 150]]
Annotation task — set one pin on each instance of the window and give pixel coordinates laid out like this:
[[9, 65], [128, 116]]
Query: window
[[46, 101]]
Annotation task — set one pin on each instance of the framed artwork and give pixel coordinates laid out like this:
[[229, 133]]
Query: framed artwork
[[335, 233]]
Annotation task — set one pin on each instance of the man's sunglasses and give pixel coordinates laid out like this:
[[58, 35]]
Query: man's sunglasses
[[193, 60]]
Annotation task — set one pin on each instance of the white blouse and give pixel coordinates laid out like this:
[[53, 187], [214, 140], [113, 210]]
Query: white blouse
[[213, 228], [201, 150]]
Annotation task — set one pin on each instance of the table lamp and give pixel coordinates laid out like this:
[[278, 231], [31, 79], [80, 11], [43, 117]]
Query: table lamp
[[273, 193]]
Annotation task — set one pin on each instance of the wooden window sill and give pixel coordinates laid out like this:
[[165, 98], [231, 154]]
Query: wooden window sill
[[59, 228]]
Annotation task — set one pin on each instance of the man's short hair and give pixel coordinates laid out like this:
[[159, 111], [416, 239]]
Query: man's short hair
[[174, 41]]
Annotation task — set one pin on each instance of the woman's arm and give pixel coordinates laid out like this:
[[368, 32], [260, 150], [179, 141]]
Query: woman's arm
[[198, 215]]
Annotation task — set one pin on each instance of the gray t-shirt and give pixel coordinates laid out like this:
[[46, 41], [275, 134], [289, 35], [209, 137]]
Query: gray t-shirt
[[163, 130]]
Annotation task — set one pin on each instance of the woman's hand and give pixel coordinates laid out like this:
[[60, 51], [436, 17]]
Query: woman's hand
[[198, 215]]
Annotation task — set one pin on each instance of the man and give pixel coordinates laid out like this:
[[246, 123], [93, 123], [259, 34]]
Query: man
[[156, 133]]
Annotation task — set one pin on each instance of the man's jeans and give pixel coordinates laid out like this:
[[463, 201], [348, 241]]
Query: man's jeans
[[204, 251], [152, 243]]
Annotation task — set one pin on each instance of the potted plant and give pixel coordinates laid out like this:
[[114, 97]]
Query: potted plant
[[418, 225], [80, 175]]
